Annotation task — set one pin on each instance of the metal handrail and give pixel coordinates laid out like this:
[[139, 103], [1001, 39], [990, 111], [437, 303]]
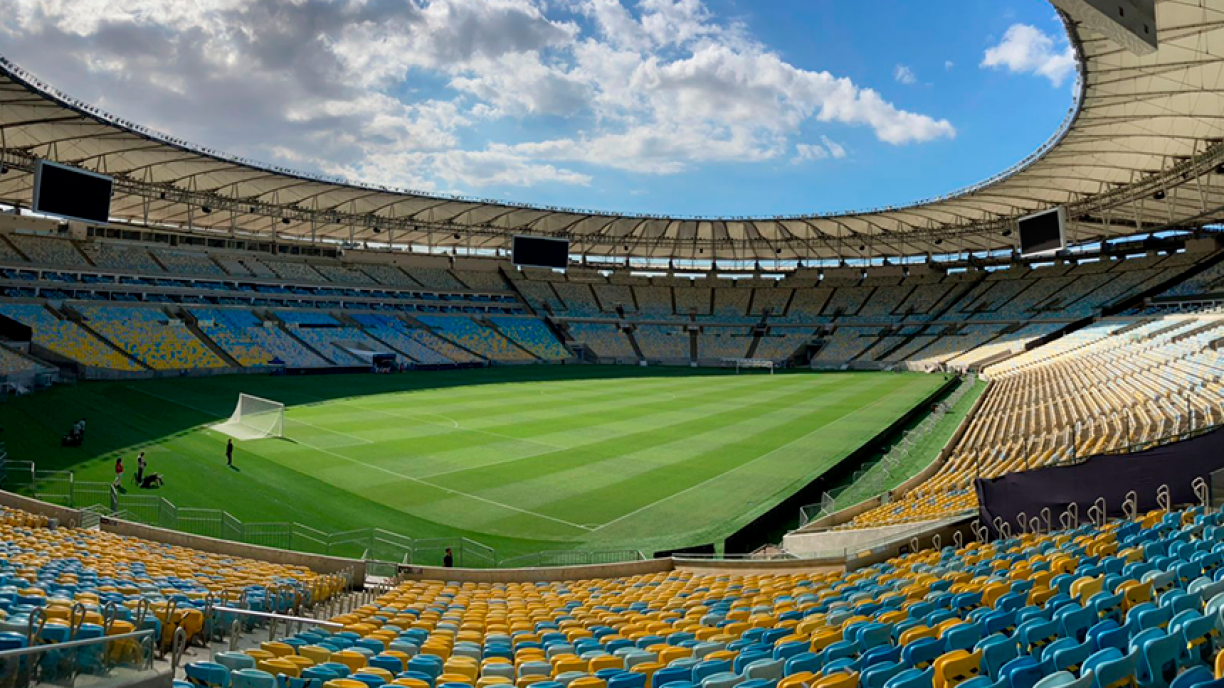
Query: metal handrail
[[271, 616], [68, 644]]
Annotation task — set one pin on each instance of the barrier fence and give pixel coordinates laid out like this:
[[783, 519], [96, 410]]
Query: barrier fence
[[99, 500], [876, 477]]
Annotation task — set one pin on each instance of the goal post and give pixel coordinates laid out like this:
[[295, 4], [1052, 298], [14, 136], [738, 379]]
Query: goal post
[[750, 364], [254, 418]]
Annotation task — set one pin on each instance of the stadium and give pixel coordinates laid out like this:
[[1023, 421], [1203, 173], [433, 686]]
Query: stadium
[[266, 428]]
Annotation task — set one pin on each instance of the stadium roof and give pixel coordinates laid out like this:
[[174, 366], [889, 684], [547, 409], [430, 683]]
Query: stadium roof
[[1138, 151]]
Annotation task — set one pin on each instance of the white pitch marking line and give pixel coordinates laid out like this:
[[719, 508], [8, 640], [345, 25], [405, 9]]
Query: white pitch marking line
[[361, 440], [389, 471], [455, 425], [743, 465]]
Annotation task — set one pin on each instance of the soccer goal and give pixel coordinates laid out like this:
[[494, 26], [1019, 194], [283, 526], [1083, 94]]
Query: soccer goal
[[254, 419], [749, 364]]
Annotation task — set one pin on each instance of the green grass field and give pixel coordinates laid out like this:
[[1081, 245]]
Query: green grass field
[[521, 459]]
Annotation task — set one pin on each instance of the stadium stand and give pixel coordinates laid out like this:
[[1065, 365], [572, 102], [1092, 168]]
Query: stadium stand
[[475, 338], [388, 275], [12, 364], [67, 339], [156, 339], [230, 329], [409, 341], [188, 263], [293, 271], [120, 257], [47, 251], [578, 299], [533, 335], [692, 299], [607, 341], [540, 296], [614, 296], [770, 300], [479, 280], [724, 342], [662, 343], [1102, 388], [656, 302], [1127, 603], [434, 278], [847, 343], [781, 343], [337, 344]]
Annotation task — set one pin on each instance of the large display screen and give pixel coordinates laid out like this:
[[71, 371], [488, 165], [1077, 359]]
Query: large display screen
[[72, 193], [536, 252]]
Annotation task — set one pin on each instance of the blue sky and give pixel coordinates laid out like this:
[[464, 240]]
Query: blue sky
[[722, 107]]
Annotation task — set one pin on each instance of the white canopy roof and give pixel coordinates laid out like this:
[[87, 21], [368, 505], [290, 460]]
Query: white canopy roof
[[1138, 152]]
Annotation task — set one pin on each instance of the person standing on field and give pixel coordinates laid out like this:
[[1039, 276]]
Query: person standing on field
[[140, 468], [229, 453]]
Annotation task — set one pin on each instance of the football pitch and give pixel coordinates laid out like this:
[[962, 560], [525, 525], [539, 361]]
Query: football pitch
[[518, 458]]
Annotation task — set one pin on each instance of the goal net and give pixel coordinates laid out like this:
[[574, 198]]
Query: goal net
[[254, 418], [750, 364]]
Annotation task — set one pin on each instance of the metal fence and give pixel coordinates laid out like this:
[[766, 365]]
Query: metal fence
[[572, 558], [876, 477]]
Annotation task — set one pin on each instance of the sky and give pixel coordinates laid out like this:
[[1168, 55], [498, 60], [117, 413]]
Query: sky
[[678, 107]]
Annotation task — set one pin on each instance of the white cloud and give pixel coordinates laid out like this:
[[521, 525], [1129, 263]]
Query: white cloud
[[835, 149], [417, 92], [1025, 49], [815, 151], [948, 65], [903, 74]]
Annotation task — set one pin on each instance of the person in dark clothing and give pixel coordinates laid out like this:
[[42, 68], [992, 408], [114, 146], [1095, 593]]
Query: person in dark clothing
[[140, 468], [449, 559], [229, 453]]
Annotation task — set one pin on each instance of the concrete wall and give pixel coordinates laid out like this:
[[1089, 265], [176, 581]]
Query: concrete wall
[[65, 516], [315, 562], [554, 573], [750, 567]]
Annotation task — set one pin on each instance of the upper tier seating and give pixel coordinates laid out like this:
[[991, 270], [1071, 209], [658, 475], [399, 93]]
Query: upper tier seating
[[188, 263], [692, 300], [480, 280], [8, 254], [435, 278], [533, 335], [293, 271], [388, 275], [66, 338], [656, 302], [613, 296], [342, 274], [771, 300], [161, 342], [53, 252], [540, 296], [120, 257], [578, 299], [477, 338]]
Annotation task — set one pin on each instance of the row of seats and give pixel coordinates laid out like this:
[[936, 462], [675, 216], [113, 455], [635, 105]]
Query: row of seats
[[1105, 387], [1131, 603]]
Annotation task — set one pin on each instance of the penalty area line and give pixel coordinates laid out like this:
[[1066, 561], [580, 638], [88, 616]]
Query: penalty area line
[[388, 471]]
